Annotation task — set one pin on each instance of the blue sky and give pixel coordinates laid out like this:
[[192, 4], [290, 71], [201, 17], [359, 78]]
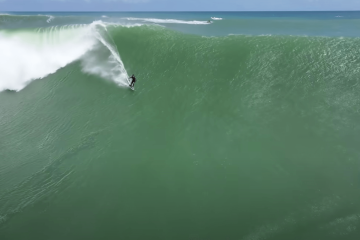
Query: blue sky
[[178, 5]]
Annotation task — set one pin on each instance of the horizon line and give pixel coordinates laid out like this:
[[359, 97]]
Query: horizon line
[[198, 11]]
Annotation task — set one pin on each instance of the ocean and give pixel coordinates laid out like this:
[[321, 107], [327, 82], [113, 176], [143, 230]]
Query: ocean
[[242, 126]]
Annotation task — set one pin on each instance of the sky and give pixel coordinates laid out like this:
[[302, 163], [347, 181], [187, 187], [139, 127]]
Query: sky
[[179, 5]]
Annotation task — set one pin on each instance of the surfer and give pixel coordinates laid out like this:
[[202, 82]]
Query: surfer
[[133, 80]]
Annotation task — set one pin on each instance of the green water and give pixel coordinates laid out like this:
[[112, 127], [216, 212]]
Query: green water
[[231, 137]]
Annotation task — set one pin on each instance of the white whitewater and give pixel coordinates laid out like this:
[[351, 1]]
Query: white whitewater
[[34, 54]]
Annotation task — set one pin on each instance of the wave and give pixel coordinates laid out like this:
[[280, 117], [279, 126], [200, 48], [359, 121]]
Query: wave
[[112, 68], [34, 54], [14, 21], [156, 20], [50, 18], [215, 18], [31, 55]]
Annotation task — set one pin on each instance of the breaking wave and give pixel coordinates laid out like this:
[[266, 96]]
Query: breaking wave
[[156, 20], [34, 54]]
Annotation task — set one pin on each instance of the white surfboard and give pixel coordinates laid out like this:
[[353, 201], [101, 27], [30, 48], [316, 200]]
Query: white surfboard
[[132, 88]]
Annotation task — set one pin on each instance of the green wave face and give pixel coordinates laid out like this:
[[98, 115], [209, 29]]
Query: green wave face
[[275, 74], [227, 137]]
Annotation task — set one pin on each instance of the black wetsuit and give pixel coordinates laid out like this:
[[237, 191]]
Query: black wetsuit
[[133, 80]]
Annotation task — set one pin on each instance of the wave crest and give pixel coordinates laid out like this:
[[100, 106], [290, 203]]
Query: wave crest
[[156, 20], [34, 54]]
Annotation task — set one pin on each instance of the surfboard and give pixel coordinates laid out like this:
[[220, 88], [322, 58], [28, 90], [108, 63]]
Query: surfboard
[[132, 88]]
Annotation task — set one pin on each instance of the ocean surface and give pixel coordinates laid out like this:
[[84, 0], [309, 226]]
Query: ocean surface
[[246, 127]]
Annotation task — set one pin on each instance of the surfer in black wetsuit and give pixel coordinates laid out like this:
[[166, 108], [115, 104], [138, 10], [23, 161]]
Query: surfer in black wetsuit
[[133, 80]]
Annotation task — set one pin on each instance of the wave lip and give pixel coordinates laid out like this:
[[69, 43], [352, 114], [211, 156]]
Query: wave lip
[[215, 18], [156, 20], [30, 55]]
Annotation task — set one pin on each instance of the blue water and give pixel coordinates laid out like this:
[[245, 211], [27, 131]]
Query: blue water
[[333, 24]]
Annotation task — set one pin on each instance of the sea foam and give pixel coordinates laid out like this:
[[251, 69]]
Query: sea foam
[[156, 20], [27, 55]]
